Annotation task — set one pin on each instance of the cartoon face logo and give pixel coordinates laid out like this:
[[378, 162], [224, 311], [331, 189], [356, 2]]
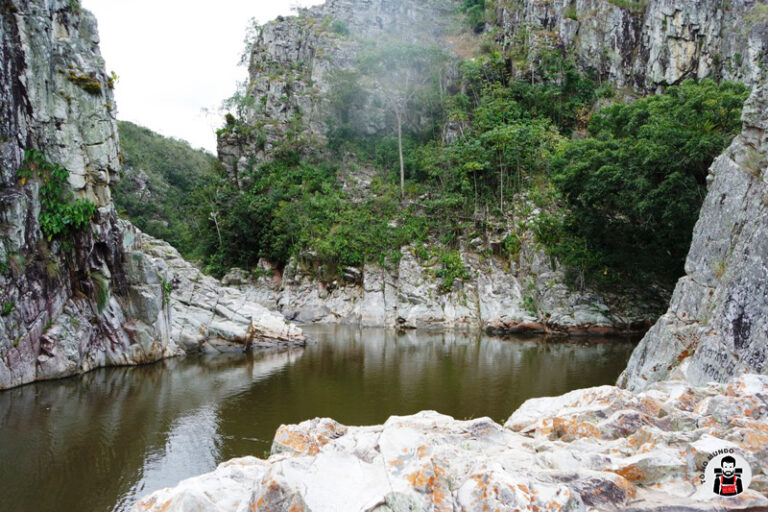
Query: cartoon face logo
[[728, 480], [726, 473]]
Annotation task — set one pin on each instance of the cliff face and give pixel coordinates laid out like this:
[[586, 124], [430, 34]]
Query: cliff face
[[68, 305], [644, 45], [292, 66], [90, 297], [716, 325], [498, 295]]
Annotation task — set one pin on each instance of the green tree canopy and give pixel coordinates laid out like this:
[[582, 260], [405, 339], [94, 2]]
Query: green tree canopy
[[634, 187]]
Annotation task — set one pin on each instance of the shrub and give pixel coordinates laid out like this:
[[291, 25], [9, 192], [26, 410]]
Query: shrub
[[634, 187], [453, 268], [8, 308], [340, 27], [60, 216], [88, 82]]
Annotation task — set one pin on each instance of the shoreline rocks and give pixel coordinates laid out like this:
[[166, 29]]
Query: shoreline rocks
[[206, 316], [591, 449], [498, 297]]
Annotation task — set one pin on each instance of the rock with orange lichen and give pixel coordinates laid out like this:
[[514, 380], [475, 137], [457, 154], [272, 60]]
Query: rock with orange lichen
[[307, 438], [226, 489], [591, 449]]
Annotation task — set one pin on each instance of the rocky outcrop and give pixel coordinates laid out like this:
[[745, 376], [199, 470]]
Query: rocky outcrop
[[645, 45], [500, 294], [90, 297], [717, 322], [295, 61], [68, 305], [206, 316], [601, 448]]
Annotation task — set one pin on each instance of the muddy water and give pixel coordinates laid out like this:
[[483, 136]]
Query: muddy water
[[97, 442]]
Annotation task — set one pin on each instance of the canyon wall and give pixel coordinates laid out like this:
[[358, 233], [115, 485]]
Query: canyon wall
[[645, 45], [717, 325], [72, 304], [87, 296]]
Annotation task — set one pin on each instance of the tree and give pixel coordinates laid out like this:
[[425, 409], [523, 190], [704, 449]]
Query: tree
[[407, 76], [635, 186]]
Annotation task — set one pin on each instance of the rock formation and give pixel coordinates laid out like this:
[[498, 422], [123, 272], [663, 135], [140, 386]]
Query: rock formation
[[292, 66], [207, 316], [645, 45], [71, 304], [717, 326], [526, 295], [594, 449]]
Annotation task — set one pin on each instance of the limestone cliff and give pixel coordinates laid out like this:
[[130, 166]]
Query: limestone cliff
[[644, 45], [717, 326], [70, 303]]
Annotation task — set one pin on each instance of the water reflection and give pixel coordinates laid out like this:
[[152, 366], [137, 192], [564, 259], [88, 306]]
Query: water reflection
[[100, 441]]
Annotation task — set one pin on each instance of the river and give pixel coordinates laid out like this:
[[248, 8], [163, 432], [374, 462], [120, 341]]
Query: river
[[100, 441]]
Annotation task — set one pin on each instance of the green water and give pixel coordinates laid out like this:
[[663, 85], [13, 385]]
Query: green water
[[100, 441]]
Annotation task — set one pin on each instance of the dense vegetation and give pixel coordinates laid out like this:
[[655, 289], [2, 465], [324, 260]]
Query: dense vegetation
[[512, 145], [634, 187], [61, 214], [618, 190], [161, 180]]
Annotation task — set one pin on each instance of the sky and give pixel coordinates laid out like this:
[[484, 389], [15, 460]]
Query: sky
[[177, 60]]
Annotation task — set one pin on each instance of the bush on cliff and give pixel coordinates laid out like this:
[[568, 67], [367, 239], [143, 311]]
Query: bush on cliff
[[634, 186]]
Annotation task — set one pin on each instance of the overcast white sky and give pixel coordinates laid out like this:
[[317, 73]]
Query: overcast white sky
[[175, 58]]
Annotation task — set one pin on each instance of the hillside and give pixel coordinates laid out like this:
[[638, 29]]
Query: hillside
[[420, 146], [160, 179]]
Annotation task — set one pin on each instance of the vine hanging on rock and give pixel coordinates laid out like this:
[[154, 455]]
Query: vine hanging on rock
[[60, 214]]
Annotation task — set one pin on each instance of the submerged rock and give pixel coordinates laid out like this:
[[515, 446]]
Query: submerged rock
[[598, 448]]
